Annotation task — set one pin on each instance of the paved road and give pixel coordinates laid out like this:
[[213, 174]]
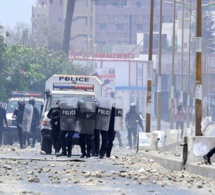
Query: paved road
[[27, 171]]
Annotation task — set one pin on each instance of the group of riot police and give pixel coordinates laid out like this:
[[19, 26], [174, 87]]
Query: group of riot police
[[90, 119], [27, 117]]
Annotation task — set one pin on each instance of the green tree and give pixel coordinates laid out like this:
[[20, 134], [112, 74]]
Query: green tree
[[29, 68], [3, 68]]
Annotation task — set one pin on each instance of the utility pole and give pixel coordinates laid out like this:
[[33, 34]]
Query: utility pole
[[198, 84], [188, 72], [182, 56], [159, 73], [150, 68], [173, 70]]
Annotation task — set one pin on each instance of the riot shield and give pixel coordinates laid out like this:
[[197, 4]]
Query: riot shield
[[103, 113], [118, 123], [68, 114], [86, 116], [27, 118]]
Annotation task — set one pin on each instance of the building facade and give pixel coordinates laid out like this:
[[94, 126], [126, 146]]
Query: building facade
[[99, 26]]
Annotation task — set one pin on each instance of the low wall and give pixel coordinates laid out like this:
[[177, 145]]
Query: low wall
[[158, 139], [199, 146]]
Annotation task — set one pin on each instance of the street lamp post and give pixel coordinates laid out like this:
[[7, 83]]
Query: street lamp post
[[150, 67]]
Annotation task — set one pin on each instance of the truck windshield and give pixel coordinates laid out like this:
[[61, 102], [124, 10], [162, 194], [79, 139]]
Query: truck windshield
[[54, 98]]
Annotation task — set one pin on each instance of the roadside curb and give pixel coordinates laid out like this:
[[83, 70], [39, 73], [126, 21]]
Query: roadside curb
[[175, 163], [207, 171]]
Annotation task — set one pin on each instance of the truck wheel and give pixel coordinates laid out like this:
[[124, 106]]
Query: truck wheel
[[46, 145]]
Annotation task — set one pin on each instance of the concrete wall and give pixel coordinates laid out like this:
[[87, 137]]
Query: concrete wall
[[199, 146]]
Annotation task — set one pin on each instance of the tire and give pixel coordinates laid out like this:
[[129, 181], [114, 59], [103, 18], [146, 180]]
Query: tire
[[46, 145]]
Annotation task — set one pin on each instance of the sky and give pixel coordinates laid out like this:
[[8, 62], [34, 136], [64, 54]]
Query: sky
[[15, 11]]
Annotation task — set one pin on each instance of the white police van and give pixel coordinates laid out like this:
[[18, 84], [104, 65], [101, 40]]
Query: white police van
[[65, 87]]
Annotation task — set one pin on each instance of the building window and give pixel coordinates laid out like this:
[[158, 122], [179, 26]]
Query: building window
[[43, 2], [102, 26], [140, 27], [138, 4], [120, 27], [123, 2], [120, 3]]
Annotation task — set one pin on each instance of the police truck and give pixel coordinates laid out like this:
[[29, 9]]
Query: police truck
[[65, 87]]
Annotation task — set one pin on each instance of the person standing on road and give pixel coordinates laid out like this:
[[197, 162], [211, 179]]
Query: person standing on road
[[180, 114], [86, 117], [35, 121], [3, 120], [18, 115], [103, 115], [132, 118], [68, 120], [111, 133], [54, 115]]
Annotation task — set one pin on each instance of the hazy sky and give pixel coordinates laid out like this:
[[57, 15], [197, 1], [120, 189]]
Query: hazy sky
[[13, 11]]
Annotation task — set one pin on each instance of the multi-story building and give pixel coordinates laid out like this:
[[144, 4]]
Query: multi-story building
[[52, 14], [100, 25], [103, 23]]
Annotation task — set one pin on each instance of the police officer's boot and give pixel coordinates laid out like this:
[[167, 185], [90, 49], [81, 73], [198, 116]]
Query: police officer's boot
[[62, 154], [69, 153]]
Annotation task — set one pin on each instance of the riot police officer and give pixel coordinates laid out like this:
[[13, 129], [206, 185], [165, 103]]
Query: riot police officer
[[86, 117], [132, 118], [68, 118], [54, 115], [18, 115], [35, 121], [103, 113], [111, 133], [3, 120]]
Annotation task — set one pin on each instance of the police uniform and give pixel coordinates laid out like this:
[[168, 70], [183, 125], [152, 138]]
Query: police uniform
[[2, 120], [18, 114], [54, 115], [132, 118]]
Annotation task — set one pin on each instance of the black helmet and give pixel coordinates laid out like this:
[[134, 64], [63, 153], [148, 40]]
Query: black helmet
[[132, 106], [81, 103], [31, 101], [59, 100], [21, 102]]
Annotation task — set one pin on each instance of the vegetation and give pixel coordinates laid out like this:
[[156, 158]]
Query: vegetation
[[26, 68]]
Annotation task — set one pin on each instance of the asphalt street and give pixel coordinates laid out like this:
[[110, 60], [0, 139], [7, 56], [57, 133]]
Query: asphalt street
[[29, 171]]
